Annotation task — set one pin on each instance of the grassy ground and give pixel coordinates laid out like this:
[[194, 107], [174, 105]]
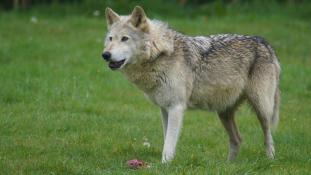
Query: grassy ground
[[62, 111]]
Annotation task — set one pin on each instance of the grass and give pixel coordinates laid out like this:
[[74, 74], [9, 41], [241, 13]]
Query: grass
[[62, 111]]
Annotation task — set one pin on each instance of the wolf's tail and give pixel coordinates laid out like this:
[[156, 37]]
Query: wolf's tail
[[274, 120], [275, 117]]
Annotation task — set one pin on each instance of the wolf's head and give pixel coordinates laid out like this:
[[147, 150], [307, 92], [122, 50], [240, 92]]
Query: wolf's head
[[127, 38], [134, 39]]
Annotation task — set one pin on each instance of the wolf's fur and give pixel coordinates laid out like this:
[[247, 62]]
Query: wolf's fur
[[216, 73]]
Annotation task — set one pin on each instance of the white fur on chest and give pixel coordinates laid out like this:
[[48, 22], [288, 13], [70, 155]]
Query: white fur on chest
[[164, 87]]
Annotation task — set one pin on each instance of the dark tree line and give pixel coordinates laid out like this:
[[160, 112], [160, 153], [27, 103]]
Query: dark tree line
[[24, 4]]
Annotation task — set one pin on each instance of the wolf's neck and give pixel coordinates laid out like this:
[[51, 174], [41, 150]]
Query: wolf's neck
[[147, 74], [144, 76]]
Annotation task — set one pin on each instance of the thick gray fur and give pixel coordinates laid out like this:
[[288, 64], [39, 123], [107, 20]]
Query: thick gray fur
[[179, 72]]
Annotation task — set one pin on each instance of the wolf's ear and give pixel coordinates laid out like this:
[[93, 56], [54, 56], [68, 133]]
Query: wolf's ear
[[139, 19], [111, 16]]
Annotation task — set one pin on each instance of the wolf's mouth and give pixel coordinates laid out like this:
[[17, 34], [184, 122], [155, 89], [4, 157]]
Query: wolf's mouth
[[116, 65]]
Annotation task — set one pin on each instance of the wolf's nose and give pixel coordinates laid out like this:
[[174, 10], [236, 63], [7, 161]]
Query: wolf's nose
[[106, 56]]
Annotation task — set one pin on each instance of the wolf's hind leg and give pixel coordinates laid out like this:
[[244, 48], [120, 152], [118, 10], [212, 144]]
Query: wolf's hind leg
[[260, 94], [227, 119], [164, 121], [264, 111]]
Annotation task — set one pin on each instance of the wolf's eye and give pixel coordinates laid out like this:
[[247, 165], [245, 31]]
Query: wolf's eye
[[124, 38], [110, 38]]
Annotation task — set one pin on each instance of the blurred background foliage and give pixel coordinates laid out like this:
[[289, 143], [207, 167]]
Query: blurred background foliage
[[156, 8]]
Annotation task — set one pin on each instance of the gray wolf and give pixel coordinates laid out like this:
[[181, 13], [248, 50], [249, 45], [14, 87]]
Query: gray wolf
[[179, 72]]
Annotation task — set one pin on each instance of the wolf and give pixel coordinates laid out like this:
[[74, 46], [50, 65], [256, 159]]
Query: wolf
[[179, 72]]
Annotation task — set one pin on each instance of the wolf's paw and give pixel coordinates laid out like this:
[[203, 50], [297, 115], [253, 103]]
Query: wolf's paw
[[167, 157], [270, 152], [233, 152]]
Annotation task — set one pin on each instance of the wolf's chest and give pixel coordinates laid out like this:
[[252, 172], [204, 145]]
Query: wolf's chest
[[163, 88], [157, 89]]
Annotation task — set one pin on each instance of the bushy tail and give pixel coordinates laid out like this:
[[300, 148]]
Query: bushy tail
[[274, 120]]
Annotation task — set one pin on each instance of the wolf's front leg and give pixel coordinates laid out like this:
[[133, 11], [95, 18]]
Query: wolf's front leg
[[174, 124]]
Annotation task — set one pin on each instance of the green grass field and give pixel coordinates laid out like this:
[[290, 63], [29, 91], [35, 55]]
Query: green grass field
[[62, 111]]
